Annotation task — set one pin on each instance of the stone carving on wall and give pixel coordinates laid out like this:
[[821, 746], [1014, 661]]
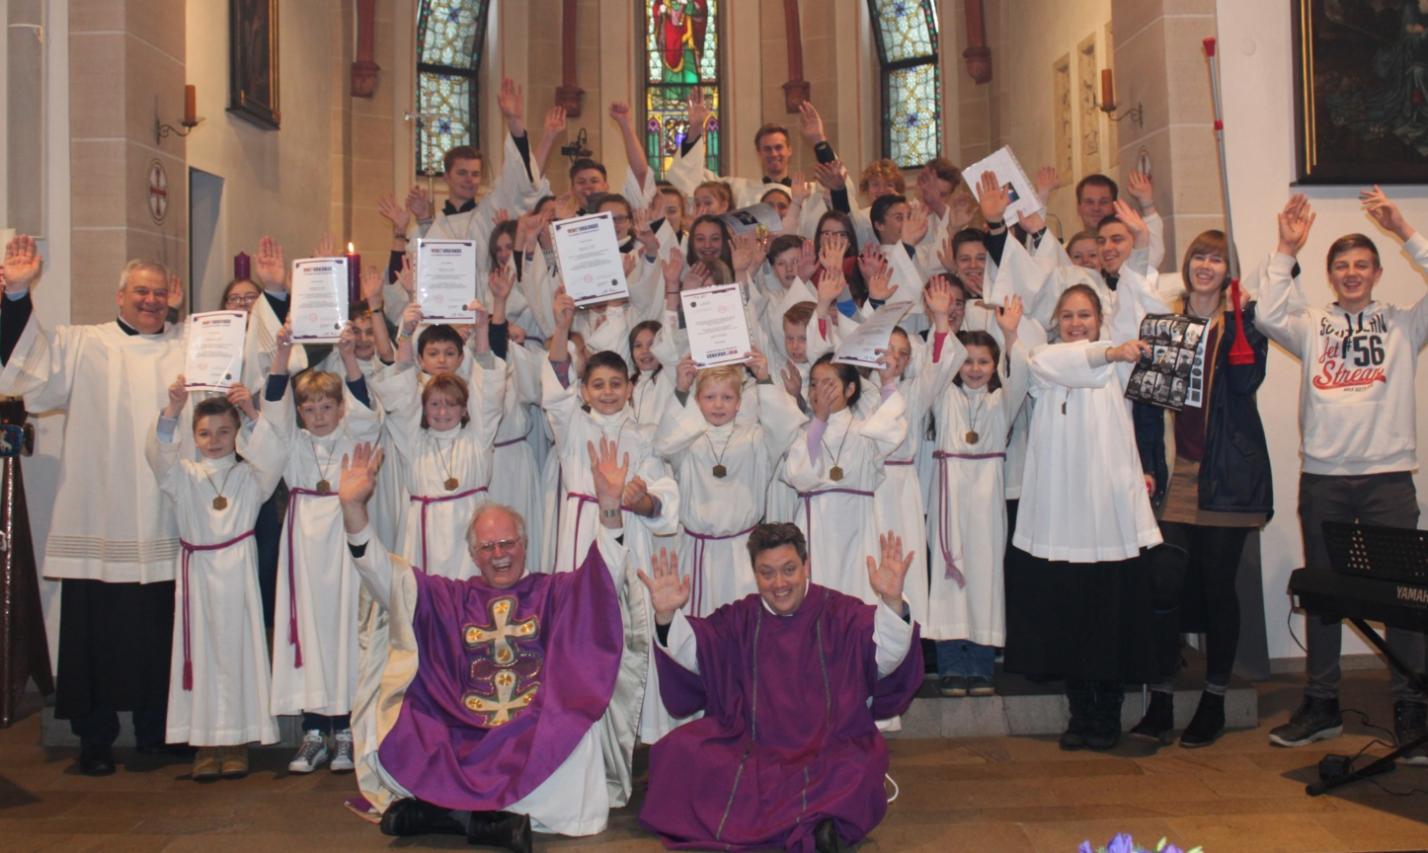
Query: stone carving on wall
[[1086, 81], [1065, 129]]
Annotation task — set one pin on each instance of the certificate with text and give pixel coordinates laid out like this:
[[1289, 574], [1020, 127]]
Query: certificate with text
[[214, 359], [589, 257], [319, 300], [715, 322], [446, 279], [870, 340]]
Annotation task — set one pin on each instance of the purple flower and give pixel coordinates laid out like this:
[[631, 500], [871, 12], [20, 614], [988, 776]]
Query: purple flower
[[1122, 843], [1170, 848], [1085, 848]]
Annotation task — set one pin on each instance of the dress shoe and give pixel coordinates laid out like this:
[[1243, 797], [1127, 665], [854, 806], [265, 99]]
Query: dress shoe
[[96, 759], [414, 817], [207, 765], [501, 829], [825, 837], [233, 761], [1158, 724]]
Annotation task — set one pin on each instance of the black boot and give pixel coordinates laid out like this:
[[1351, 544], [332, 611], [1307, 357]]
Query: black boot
[[414, 817], [1208, 723], [825, 837], [96, 759], [1105, 730], [1158, 724], [1081, 700], [501, 829]]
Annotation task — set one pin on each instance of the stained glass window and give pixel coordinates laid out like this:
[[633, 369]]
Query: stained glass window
[[449, 38], [906, 35], [681, 54]]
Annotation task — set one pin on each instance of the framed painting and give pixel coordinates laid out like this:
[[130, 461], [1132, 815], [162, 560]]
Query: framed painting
[[1361, 102], [253, 61]]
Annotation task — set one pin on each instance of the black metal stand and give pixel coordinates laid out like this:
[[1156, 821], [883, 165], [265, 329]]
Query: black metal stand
[[24, 653]]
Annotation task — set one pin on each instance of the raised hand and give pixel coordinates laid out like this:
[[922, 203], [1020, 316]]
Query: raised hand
[[326, 246], [685, 372], [22, 263], [347, 341], [419, 203], [668, 591], [358, 475], [807, 261], [566, 205], [1133, 221], [877, 273], [510, 100], [673, 269], [609, 472], [620, 112], [698, 276], [397, 214], [1294, 223], [810, 123], [992, 197], [758, 364], [792, 379], [830, 286], [1046, 181], [888, 574], [178, 395], [627, 261], [411, 318], [945, 255], [1140, 187], [242, 400], [744, 249], [175, 292], [406, 276], [1009, 316], [372, 286], [915, 228], [1385, 213], [501, 281], [698, 113], [270, 265], [564, 308], [555, 121], [963, 211], [831, 251], [937, 296], [832, 175]]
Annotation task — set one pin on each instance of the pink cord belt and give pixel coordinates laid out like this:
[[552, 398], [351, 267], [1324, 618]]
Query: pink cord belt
[[944, 524], [425, 502], [294, 639], [696, 596], [189, 549]]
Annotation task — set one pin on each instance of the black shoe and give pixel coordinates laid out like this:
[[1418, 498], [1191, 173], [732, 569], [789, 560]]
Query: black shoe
[[501, 829], [1410, 723], [96, 759], [176, 751], [1158, 724], [980, 685], [825, 837], [414, 817], [952, 685], [1208, 723], [1316, 719], [1081, 702], [1105, 731]]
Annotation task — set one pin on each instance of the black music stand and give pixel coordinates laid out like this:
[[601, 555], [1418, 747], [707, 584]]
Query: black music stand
[[1391, 554]]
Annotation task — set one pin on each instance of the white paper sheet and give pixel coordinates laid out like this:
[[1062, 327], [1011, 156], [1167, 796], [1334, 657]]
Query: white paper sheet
[[752, 218], [446, 279], [862, 347], [714, 319], [589, 257], [319, 300], [214, 360], [1004, 165]]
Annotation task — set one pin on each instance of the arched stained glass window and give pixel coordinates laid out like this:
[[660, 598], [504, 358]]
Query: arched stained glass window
[[681, 53], [450, 34], [906, 35]]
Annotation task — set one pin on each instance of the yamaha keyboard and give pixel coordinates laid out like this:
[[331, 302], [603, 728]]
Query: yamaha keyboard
[[1398, 604]]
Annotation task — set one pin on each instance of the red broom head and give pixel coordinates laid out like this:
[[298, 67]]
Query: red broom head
[[1241, 353]]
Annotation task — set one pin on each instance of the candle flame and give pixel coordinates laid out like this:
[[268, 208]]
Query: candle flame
[[350, 249]]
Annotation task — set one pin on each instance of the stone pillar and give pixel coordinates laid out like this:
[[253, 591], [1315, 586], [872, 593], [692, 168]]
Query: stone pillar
[[126, 69], [1159, 62]]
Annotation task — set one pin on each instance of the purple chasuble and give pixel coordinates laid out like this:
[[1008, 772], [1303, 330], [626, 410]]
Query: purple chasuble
[[508, 681], [788, 737]]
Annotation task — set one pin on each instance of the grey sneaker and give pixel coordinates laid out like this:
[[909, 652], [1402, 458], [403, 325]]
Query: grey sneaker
[[311, 754], [1410, 722], [952, 685], [341, 752], [1316, 719]]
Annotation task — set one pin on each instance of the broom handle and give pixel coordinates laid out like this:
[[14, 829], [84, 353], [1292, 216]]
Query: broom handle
[[1224, 164]]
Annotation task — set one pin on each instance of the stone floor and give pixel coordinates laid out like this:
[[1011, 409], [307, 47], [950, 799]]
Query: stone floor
[[992, 793]]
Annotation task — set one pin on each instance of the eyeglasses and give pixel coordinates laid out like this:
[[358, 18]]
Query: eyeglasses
[[235, 299], [499, 544]]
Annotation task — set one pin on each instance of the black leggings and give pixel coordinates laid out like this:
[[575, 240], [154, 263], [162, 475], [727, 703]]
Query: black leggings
[[1211, 554]]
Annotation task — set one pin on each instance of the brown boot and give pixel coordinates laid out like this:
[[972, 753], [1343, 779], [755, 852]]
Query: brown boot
[[234, 761], [206, 764]]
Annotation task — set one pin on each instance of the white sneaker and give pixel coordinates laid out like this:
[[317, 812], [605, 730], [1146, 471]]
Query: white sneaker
[[310, 755], [342, 752]]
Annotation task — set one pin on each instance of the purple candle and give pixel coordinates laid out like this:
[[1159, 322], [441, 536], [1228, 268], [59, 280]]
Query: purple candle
[[354, 275], [242, 267]]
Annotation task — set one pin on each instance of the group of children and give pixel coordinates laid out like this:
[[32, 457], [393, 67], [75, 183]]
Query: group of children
[[994, 437]]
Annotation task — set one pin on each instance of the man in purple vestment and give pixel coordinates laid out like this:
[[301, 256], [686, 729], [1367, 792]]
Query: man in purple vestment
[[495, 687], [790, 682]]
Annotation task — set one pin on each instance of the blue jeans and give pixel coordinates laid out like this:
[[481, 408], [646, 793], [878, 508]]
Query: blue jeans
[[965, 658], [324, 724]]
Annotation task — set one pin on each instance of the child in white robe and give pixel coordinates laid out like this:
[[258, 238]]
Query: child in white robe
[[723, 468], [654, 386], [316, 611], [218, 675], [836, 463], [445, 442], [967, 523]]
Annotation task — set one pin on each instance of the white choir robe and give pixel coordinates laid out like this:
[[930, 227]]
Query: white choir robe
[[840, 512], [110, 523], [260, 342], [1083, 497], [431, 458], [910, 278], [718, 512], [781, 503], [517, 477], [652, 394], [577, 515], [575, 799], [218, 611], [967, 524], [898, 501], [514, 191], [317, 589], [688, 171]]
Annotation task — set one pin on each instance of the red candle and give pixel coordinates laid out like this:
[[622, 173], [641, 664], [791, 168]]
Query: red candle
[[242, 267], [354, 275], [190, 105], [1108, 90]]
